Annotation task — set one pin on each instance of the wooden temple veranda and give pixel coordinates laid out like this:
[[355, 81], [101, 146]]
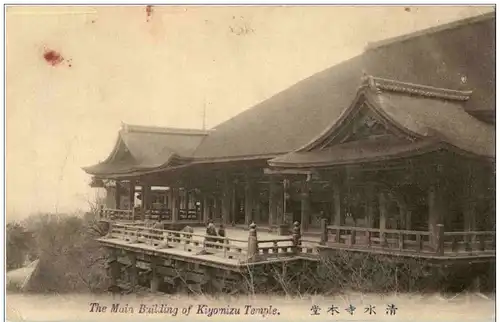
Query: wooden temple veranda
[[390, 152]]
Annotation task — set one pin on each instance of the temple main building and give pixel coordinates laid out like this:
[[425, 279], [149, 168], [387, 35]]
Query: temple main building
[[398, 141]]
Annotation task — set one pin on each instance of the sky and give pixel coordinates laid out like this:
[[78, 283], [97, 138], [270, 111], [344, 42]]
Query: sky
[[74, 74]]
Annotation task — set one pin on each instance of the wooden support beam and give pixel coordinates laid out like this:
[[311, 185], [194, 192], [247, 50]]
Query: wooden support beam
[[185, 205], [249, 202], [131, 194], [370, 205], [170, 198], [234, 204], [273, 201], [118, 192], [175, 205], [338, 207], [114, 266], [436, 212], [146, 197], [305, 206], [226, 201], [155, 274], [133, 272], [217, 208], [280, 203], [382, 204], [206, 208]]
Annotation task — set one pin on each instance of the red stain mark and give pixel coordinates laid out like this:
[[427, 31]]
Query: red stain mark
[[149, 12], [53, 57]]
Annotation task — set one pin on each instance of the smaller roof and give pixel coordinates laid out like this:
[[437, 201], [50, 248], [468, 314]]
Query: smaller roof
[[432, 118], [145, 147], [366, 150]]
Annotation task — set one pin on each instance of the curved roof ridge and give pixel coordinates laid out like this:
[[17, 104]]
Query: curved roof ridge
[[423, 32], [384, 84], [162, 130]]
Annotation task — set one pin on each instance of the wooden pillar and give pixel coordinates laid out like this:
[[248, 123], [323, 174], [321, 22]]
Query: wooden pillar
[[257, 206], [436, 210], [146, 197], [469, 206], [408, 220], [280, 203], [155, 275], [133, 272], [170, 198], [305, 206], [249, 202], [131, 194], [324, 232], [273, 201], [206, 207], [226, 201], [114, 266], [234, 205], [370, 205], [174, 209], [217, 207], [186, 200], [382, 205], [118, 192], [338, 207]]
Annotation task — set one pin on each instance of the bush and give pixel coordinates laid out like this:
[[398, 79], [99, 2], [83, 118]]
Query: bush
[[70, 258]]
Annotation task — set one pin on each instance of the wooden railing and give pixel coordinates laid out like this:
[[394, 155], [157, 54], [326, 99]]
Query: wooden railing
[[118, 214], [156, 214], [153, 215], [195, 243], [469, 242], [409, 241], [251, 250]]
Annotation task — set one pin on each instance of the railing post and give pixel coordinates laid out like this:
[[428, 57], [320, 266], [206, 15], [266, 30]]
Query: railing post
[[253, 249], [296, 237], [482, 242], [352, 237], [337, 235], [133, 238], [467, 243], [164, 243], [110, 230], [401, 241], [324, 232], [418, 241], [440, 239]]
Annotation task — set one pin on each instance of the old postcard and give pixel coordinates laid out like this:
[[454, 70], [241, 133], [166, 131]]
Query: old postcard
[[285, 163]]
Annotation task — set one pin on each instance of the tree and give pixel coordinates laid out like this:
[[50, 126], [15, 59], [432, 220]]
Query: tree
[[18, 242]]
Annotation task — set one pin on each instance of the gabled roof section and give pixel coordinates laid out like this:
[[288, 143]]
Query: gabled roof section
[[143, 148], [459, 56], [430, 119]]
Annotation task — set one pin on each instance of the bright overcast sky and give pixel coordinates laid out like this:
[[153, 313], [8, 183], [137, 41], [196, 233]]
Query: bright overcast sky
[[160, 69]]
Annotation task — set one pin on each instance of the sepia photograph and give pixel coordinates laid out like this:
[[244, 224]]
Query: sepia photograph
[[250, 162]]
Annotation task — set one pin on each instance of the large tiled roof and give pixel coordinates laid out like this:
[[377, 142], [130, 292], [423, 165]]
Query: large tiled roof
[[456, 56]]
